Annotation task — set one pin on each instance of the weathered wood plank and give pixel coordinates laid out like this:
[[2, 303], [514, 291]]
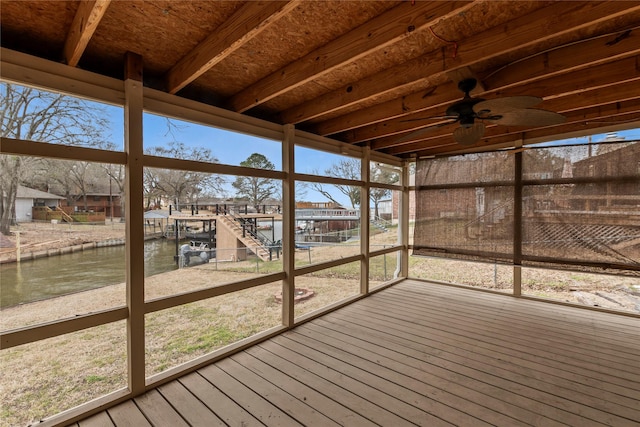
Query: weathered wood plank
[[405, 402], [568, 313], [323, 404], [226, 409], [488, 352], [101, 419], [381, 414], [470, 362], [127, 414], [296, 409], [158, 411], [449, 381], [583, 340], [259, 407], [530, 344], [424, 384], [188, 406], [556, 402], [601, 376], [280, 359]]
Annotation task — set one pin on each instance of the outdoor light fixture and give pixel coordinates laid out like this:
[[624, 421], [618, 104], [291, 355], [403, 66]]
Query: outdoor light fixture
[[469, 134]]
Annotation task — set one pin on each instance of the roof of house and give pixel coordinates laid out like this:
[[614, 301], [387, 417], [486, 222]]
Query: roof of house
[[31, 193]]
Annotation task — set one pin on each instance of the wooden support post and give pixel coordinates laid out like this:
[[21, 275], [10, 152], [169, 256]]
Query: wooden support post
[[365, 232], [288, 224], [517, 226], [404, 221], [134, 216]]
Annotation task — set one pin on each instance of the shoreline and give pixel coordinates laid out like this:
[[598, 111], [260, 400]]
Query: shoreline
[[27, 255], [29, 241]]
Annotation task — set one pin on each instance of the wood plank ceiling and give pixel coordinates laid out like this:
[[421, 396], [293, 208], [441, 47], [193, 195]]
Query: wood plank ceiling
[[361, 72]]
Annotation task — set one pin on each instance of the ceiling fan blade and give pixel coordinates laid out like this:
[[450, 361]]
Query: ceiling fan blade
[[530, 117], [507, 104]]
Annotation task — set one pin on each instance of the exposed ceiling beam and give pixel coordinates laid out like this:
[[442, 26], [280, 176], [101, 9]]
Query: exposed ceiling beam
[[611, 123], [560, 18], [567, 58], [541, 66], [606, 74], [84, 24], [376, 34], [576, 119], [246, 23]]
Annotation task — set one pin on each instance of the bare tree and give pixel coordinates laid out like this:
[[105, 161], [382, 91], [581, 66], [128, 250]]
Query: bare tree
[[31, 114], [348, 169], [116, 185], [381, 174], [180, 186], [256, 189], [76, 180]]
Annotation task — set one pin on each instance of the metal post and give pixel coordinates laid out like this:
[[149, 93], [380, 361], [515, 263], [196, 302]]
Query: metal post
[[177, 235], [385, 266], [110, 199]]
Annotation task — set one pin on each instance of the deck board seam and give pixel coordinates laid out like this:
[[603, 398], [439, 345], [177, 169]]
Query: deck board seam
[[465, 344], [499, 323], [396, 347]]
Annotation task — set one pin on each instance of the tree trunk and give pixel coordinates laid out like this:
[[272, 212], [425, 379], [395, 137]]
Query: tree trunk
[[8, 206]]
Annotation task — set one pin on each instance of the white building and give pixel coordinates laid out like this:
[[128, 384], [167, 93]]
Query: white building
[[27, 198]]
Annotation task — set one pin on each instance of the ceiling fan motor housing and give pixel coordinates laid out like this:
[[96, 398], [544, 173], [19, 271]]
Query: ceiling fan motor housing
[[463, 110], [467, 85]]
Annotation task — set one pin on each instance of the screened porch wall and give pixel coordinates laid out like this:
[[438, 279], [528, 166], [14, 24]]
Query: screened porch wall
[[569, 207]]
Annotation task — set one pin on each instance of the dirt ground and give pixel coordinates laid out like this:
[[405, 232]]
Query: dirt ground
[[34, 237]]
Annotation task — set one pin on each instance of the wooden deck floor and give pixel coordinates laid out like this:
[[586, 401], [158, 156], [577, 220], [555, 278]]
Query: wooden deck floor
[[416, 354]]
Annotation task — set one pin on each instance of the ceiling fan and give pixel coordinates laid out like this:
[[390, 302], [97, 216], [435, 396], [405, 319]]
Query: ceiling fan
[[473, 112]]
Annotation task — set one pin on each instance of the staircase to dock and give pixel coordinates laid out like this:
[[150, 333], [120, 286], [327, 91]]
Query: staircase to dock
[[380, 223], [259, 246], [58, 211], [65, 217]]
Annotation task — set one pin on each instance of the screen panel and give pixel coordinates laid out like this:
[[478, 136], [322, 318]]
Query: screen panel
[[581, 207], [464, 207]]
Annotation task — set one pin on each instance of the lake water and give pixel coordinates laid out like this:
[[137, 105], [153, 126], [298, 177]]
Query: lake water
[[275, 233], [48, 277]]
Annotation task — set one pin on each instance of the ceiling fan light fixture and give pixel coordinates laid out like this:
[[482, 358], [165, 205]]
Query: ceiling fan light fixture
[[469, 135]]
